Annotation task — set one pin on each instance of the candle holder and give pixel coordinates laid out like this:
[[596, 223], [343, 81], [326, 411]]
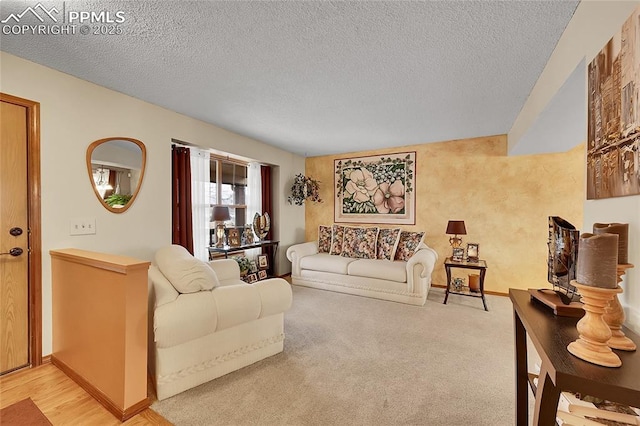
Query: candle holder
[[594, 333], [614, 317]]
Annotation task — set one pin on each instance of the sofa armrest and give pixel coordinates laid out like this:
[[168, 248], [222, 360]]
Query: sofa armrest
[[225, 269], [297, 252], [419, 269], [275, 294]]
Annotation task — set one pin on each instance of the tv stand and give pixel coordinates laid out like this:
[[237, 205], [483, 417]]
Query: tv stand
[[560, 370]]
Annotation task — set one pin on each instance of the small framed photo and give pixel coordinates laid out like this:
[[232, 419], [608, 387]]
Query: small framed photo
[[263, 261], [458, 254], [252, 278], [234, 237], [472, 252], [262, 274]]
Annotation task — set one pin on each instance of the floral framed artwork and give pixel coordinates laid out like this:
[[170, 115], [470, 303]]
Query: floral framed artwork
[[376, 189]]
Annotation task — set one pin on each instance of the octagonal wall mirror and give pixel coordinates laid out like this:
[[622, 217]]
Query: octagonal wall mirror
[[116, 168]]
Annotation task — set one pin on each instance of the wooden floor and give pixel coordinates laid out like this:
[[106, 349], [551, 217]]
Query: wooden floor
[[62, 400]]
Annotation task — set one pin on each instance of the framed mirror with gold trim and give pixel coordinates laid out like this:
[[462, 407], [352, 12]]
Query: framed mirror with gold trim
[[116, 168]]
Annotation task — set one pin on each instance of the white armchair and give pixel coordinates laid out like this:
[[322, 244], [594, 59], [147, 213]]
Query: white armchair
[[205, 322]]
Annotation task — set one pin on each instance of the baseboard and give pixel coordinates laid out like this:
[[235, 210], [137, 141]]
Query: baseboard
[[99, 396], [46, 359]]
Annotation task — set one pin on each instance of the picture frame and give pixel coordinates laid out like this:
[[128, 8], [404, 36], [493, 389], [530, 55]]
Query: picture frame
[[263, 261], [458, 254], [262, 274], [234, 237], [376, 189], [473, 250], [252, 278]]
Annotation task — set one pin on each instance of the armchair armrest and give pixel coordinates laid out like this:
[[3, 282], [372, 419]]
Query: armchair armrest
[[297, 252], [419, 269], [225, 269]]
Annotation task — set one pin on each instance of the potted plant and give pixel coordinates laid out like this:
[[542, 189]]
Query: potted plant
[[244, 263], [118, 200]]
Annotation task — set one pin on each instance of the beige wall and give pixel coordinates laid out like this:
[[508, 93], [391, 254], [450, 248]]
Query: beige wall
[[593, 24], [504, 201], [75, 113]]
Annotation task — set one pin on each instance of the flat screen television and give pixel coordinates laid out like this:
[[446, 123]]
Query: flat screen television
[[563, 256]]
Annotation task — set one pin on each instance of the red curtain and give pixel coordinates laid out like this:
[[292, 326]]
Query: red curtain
[[182, 229], [265, 175]]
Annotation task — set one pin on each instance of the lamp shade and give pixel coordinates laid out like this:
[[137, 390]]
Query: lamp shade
[[456, 227], [220, 213]]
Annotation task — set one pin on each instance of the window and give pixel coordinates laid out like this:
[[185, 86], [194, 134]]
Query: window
[[229, 188]]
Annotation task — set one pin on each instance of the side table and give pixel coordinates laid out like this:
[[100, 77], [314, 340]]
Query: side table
[[480, 265]]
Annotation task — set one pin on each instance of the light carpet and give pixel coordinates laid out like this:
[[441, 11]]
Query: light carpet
[[351, 360]]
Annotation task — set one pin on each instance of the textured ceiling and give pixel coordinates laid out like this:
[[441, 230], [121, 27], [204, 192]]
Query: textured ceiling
[[317, 78]]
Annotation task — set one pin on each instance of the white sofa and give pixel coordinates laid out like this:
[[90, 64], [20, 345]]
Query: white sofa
[[399, 281], [205, 322]]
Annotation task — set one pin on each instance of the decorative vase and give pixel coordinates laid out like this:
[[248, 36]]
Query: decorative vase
[[261, 225]]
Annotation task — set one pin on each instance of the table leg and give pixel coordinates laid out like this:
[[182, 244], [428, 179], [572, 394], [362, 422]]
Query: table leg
[[484, 301], [522, 378], [547, 395], [446, 294]]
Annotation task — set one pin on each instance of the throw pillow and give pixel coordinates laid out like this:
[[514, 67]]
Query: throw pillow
[[359, 243], [186, 273], [409, 242], [387, 243], [337, 236], [324, 239]]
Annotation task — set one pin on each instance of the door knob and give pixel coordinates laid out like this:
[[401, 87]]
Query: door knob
[[15, 231], [16, 251]]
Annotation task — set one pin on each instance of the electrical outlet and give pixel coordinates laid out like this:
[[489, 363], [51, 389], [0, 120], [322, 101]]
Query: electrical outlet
[[82, 226]]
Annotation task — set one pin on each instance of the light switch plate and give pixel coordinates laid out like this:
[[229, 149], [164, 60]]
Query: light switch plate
[[82, 226]]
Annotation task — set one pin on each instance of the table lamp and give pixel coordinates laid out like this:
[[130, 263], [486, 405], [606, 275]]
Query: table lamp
[[219, 215], [455, 228]]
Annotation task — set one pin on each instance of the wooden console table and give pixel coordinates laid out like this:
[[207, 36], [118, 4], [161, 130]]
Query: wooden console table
[[560, 370]]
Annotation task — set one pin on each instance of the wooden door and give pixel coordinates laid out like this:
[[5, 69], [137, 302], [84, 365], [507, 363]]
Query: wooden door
[[19, 276]]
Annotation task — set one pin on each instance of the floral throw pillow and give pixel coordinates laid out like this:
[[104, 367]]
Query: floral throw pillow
[[387, 243], [337, 236], [409, 242], [324, 239], [359, 243]]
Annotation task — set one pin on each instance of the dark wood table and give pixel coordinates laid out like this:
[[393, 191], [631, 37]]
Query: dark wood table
[[479, 265], [270, 245], [561, 371]]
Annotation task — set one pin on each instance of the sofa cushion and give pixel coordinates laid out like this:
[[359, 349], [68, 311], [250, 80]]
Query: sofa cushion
[[359, 243], [337, 235], [324, 239], [387, 243], [186, 273], [376, 268], [408, 244], [326, 263]]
